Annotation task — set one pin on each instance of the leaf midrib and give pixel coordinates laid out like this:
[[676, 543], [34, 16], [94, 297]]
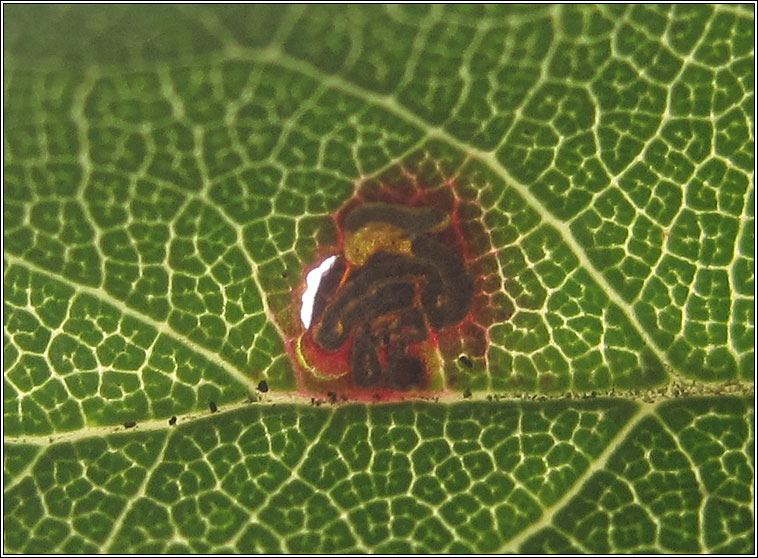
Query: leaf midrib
[[511, 546]]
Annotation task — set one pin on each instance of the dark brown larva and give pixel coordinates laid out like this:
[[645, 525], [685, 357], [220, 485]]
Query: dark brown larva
[[415, 220]]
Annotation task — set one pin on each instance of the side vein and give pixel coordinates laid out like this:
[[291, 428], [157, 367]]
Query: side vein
[[161, 327], [391, 104], [116, 528], [700, 484], [21, 475], [512, 546]]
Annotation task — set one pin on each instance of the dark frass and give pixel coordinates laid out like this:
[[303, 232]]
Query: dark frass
[[401, 291]]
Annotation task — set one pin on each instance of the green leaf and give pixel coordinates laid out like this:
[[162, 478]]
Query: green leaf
[[171, 171]]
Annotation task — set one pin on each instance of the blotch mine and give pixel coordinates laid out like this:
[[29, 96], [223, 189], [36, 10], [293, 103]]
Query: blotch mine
[[397, 285]]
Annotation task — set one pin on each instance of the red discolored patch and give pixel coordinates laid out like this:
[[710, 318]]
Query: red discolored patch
[[412, 287]]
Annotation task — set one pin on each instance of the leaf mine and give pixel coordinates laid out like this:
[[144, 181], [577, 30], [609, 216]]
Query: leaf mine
[[374, 310]]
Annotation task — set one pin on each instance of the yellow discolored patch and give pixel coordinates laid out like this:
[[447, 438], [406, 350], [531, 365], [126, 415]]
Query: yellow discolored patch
[[433, 363], [302, 357], [373, 237]]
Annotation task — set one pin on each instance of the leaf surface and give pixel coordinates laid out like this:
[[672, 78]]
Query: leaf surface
[[170, 173]]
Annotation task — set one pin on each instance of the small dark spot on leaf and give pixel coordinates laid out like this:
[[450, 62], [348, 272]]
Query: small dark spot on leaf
[[285, 274], [130, 424], [528, 131], [213, 407], [172, 421], [465, 361], [489, 398], [467, 393], [332, 397], [263, 386]]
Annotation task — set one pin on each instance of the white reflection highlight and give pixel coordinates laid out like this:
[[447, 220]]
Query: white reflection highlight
[[312, 281]]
